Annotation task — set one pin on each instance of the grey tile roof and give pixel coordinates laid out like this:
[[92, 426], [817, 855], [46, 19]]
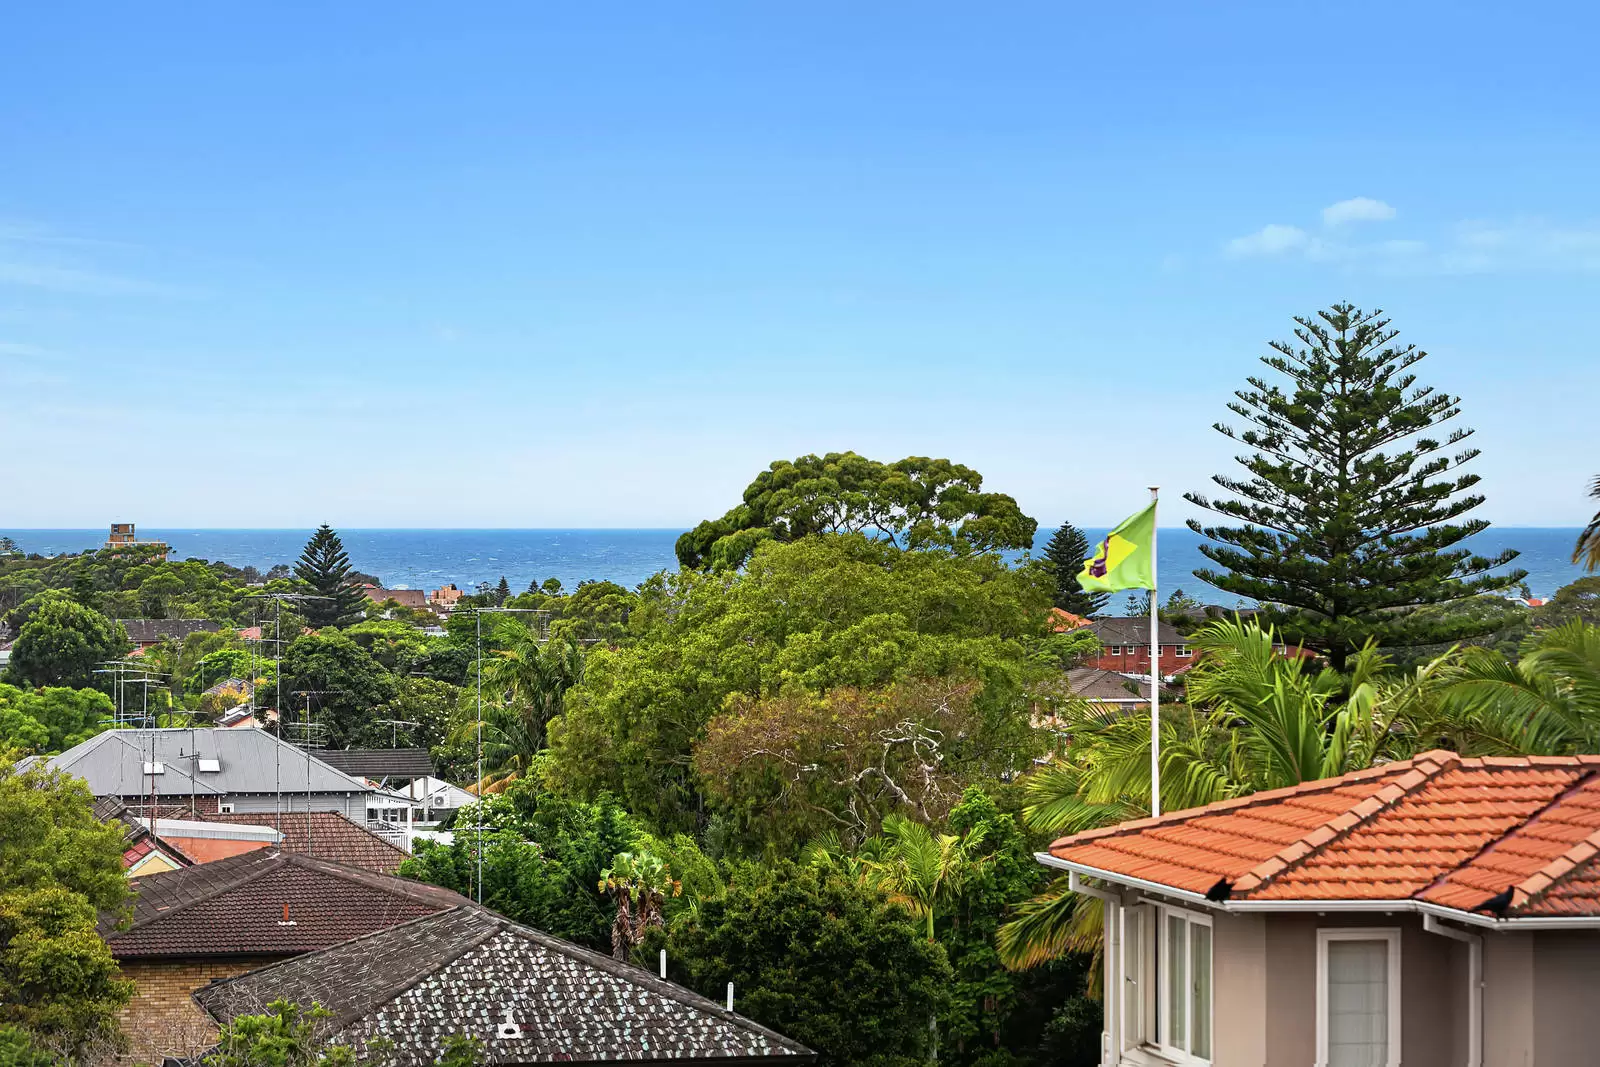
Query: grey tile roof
[[1113, 630], [1091, 683], [251, 761], [152, 631], [468, 971], [380, 762]]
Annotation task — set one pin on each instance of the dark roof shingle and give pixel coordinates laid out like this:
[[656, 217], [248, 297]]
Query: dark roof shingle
[[467, 971], [379, 762], [325, 835], [266, 902]]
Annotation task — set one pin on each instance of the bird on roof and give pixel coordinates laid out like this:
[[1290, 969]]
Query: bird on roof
[[1220, 892], [1500, 903]]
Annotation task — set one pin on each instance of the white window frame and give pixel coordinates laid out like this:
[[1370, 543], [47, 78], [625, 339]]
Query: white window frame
[[1390, 935], [224, 808], [1151, 1028]]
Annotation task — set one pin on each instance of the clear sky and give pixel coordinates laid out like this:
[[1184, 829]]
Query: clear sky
[[596, 265]]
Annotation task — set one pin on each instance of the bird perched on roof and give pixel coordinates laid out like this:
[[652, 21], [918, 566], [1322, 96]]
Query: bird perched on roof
[[1220, 892], [1500, 903]]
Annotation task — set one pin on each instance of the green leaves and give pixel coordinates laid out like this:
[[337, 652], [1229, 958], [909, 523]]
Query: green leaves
[[915, 503], [1347, 511], [62, 644]]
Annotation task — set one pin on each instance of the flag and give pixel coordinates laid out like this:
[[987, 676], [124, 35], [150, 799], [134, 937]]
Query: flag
[[1123, 560]]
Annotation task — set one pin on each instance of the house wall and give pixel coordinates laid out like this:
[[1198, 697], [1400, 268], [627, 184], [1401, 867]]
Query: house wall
[[162, 1018], [1508, 999], [1433, 989], [1566, 990], [1239, 989], [207, 849], [1137, 661], [352, 807]]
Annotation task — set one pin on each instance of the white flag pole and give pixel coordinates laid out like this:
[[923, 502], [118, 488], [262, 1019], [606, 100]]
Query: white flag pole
[[1155, 669]]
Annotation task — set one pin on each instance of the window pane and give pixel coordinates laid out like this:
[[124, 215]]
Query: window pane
[[1200, 984], [1358, 1003], [1177, 982]]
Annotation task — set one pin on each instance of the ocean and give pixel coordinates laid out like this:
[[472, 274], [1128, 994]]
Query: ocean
[[426, 559]]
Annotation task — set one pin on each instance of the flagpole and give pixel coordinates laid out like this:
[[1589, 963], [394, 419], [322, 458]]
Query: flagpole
[[1155, 669]]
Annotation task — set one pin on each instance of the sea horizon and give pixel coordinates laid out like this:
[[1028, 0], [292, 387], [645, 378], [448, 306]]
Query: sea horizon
[[428, 557]]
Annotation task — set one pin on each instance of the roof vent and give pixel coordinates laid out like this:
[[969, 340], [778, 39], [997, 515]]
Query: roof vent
[[154, 768], [509, 1028], [210, 766]]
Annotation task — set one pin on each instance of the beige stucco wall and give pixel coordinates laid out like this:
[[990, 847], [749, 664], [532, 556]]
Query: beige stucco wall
[[1433, 989], [1566, 998], [1239, 984]]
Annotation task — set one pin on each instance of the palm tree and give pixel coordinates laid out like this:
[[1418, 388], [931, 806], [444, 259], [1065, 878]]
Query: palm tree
[[921, 870], [641, 882], [1587, 551], [1256, 719], [525, 682], [1543, 703]]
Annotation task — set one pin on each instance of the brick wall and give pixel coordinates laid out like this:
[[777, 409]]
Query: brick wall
[[162, 1019]]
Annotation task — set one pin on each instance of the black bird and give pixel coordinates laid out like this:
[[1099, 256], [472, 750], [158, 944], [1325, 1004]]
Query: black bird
[[1220, 892], [1500, 903]]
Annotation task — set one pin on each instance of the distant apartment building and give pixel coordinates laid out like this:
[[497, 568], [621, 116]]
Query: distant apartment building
[[406, 598], [445, 598], [123, 536]]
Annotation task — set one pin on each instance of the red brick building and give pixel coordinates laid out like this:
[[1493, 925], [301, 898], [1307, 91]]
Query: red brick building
[[1125, 646]]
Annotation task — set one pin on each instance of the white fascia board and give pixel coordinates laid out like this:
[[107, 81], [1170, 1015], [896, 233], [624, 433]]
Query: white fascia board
[[1419, 907]]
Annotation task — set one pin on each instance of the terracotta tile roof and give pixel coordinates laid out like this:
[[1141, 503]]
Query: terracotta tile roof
[[468, 971], [265, 902], [325, 835], [1439, 828]]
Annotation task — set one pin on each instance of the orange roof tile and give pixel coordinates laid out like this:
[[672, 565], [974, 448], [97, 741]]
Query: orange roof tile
[[1440, 828]]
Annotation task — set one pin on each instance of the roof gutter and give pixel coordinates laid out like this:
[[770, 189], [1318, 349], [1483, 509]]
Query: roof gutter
[[1420, 907]]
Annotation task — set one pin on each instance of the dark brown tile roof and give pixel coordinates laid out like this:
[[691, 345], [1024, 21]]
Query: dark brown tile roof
[[468, 971], [266, 902], [136, 836], [326, 835], [405, 763], [1091, 683], [153, 631], [1134, 632]]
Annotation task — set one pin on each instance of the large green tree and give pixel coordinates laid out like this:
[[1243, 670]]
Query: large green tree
[[914, 503], [325, 567], [1065, 553], [63, 643], [820, 614], [818, 957], [59, 867], [342, 685], [52, 719], [1347, 511]]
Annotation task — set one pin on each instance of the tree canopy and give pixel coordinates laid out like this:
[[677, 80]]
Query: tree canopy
[[325, 567], [1065, 553], [62, 644], [59, 867], [1349, 503], [914, 503]]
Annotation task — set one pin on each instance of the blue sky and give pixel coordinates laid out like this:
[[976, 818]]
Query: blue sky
[[595, 265]]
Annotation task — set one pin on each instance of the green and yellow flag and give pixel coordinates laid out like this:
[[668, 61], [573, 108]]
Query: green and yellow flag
[[1123, 560]]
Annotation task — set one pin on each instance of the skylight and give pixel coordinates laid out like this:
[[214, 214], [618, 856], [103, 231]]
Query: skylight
[[210, 766], [154, 768]]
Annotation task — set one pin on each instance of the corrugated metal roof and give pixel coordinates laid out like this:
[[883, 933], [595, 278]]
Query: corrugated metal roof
[[251, 761]]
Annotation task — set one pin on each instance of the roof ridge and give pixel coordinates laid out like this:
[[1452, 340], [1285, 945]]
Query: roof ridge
[[1564, 865], [642, 976], [1314, 785], [270, 861], [1424, 768], [496, 925]]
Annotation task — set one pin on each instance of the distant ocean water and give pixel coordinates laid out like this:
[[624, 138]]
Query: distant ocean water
[[426, 559]]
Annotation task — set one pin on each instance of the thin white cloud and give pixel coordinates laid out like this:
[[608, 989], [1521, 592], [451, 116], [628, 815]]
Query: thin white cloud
[[1271, 240], [1357, 209]]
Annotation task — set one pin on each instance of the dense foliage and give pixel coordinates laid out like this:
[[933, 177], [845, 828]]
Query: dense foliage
[[1064, 553], [325, 568], [59, 868], [1348, 509], [915, 503]]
